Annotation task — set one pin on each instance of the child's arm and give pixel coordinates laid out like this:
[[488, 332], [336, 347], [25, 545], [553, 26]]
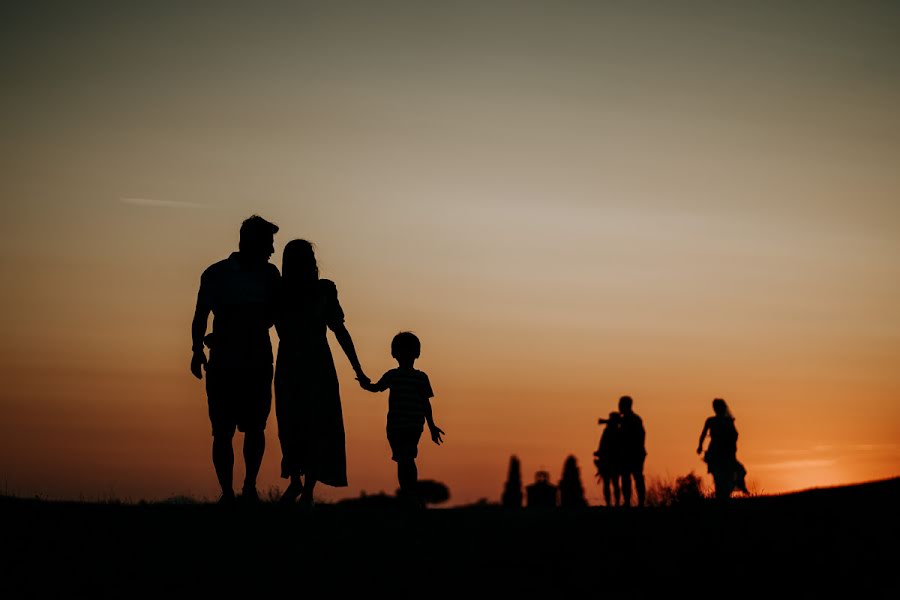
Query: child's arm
[[380, 386], [436, 432]]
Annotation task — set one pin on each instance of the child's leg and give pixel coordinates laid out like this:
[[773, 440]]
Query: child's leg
[[407, 475]]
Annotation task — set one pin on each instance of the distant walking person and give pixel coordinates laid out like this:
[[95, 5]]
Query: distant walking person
[[307, 395], [409, 408], [721, 455], [608, 457], [240, 293], [633, 451]]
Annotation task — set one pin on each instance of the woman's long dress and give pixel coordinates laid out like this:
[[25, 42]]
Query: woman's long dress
[[307, 396], [721, 456]]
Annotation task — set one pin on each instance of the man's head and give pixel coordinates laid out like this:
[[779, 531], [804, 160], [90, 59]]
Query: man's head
[[405, 347], [625, 403], [257, 239]]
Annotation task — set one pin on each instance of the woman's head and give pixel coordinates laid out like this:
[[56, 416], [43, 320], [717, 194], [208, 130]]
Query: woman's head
[[720, 408], [298, 263]]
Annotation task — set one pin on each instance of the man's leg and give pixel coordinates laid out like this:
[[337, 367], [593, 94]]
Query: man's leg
[[626, 487], [254, 448], [641, 490], [223, 461]]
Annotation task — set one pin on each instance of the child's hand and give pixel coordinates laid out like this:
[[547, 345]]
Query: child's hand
[[436, 433]]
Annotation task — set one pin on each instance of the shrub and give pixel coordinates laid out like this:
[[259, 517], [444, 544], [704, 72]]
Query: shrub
[[684, 491]]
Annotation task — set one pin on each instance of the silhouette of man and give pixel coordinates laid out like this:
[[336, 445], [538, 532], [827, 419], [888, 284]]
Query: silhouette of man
[[240, 292], [633, 453]]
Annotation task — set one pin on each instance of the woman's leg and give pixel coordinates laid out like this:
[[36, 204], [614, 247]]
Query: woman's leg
[[293, 490], [308, 486], [606, 495]]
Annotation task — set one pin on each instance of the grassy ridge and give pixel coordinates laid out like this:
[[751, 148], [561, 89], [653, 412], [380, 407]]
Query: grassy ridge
[[799, 543]]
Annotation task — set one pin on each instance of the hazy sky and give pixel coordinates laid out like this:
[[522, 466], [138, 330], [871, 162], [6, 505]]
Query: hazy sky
[[567, 201]]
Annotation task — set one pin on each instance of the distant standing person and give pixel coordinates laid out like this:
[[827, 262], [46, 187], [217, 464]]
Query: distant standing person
[[409, 408], [721, 455], [307, 395], [240, 293], [633, 451], [608, 457]]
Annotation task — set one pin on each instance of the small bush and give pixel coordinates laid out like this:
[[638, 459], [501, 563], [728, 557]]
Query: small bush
[[684, 491]]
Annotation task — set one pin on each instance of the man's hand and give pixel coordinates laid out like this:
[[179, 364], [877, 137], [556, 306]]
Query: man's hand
[[198, 361]]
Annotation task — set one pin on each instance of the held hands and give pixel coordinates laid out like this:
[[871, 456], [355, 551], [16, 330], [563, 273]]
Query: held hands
[[364, 382], [198, 361], [436, 433]]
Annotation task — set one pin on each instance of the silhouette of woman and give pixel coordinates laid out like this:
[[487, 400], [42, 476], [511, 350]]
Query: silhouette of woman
[[307, 396], [721, 455], [609, 457]]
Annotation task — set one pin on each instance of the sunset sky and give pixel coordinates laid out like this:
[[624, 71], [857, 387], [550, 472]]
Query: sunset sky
[[566, 201]]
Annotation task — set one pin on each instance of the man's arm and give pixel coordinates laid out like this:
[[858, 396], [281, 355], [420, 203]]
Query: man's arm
[[198, 330]]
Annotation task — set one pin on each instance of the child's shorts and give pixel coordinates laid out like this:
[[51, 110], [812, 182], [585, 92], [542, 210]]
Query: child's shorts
[[404, 442]]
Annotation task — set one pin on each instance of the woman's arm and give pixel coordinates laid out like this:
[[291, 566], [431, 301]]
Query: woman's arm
[[703, 437], [346, 342]]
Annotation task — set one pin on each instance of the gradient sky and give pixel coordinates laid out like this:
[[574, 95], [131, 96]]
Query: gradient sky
[[567, 201]]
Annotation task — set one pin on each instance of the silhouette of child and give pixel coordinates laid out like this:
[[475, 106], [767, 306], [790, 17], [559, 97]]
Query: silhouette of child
[[409, 407]]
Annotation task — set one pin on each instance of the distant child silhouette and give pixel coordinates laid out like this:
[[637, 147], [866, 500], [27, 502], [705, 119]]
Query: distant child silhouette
[[240, 292], [721, 455], [409, 407], [632, 437], [608, 457]]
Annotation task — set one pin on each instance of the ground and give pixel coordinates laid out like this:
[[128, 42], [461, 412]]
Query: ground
[[801, 544]]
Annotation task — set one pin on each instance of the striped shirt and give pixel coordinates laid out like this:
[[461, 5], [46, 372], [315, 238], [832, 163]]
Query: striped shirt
[[410, 391]]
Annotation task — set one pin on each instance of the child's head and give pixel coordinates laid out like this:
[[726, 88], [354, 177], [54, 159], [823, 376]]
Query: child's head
[[405, 347]]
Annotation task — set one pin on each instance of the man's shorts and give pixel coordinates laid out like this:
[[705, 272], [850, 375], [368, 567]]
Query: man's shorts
[[238, 397], [404, 442]]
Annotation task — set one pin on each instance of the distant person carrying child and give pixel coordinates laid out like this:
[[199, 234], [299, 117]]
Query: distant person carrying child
[[409, 407]]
